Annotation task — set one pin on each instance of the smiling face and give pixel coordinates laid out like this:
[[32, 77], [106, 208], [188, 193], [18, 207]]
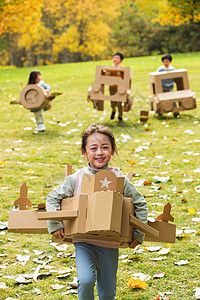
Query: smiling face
[[166, 62], [98, 150], [116, 60]]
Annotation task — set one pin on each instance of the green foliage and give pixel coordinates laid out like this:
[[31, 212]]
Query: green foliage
[[136, 35]]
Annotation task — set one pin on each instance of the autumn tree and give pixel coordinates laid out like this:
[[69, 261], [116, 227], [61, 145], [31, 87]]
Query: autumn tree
[[88, 25], [184, 15], [134, 32]]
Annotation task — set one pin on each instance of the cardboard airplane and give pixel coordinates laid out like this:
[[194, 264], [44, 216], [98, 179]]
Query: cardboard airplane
[[107, 76], [99, 212], [34, 96]]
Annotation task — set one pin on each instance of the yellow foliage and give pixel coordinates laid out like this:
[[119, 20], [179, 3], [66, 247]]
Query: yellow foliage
[[20, 16], [137, 283], [171, 15], [192, 211]]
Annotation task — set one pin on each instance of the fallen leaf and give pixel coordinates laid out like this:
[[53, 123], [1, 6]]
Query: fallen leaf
[[181, 262], [152, 248], [70, 292], [36, 273], [159, 275], [184, 200], [192, 211], [137, 283], [37, 291], [146, 182], [3, 285], [61, 247], [23, 258], [123, 256], [20, 279], [74, 283], [197, 189], [148, 195], [164, 251], [131, 162], [196, 219], [197, 293], [58, 286], [161, 179], [64, 270], [141, 276], [158, 258]]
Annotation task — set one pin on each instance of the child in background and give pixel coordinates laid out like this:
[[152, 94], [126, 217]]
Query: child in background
[[35, 78], [96, 260], [117, 59], [167, 84]]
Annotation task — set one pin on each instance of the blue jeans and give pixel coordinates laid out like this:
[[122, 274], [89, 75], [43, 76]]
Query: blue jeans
[[95, 262]]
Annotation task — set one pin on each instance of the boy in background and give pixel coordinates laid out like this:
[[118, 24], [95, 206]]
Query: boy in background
[[167, 84], [117, 59]]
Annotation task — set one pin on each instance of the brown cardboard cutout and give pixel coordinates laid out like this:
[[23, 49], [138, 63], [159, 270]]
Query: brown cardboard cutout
[[35, 97], [23, 201], [111, 76], [163, 102], [98, 214], [166, 216]]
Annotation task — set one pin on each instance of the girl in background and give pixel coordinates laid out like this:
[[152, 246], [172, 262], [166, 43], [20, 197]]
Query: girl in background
[[35, 78]]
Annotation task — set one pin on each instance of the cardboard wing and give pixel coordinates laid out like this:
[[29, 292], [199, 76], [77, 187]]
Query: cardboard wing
[[101, 213], [167, 231]]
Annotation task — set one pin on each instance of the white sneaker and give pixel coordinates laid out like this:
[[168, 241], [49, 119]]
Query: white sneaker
[[40, 127]]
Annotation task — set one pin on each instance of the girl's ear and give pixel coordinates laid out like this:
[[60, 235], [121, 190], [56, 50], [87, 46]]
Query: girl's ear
[[112, 152], [84, 153]]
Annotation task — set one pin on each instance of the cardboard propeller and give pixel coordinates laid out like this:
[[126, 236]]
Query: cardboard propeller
[[99, 212], [34, 96]]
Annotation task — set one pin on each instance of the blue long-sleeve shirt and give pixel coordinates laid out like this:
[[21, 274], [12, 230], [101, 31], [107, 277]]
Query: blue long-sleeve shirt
[[167, 84]]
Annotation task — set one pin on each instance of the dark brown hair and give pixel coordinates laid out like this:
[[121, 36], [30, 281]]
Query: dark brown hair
[[167, 56], [32, 77], [98, 128], [120, 54]]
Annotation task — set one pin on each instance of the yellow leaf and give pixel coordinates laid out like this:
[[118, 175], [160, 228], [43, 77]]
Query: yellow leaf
[[137, 283], [131, 162], [192, 211], [33, 151]]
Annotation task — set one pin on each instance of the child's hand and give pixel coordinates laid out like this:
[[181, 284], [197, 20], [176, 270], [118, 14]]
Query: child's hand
[[58, 234], [134, 243]]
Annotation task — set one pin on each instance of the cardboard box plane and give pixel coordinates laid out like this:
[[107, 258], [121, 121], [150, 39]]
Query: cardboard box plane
[[34, 96], [100, 213]]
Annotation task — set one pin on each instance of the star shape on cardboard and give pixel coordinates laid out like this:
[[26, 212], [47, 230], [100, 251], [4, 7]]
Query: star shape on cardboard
[[105, 182]]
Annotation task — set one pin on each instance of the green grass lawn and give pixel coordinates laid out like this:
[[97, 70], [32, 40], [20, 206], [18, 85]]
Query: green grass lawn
[[164, 146]]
